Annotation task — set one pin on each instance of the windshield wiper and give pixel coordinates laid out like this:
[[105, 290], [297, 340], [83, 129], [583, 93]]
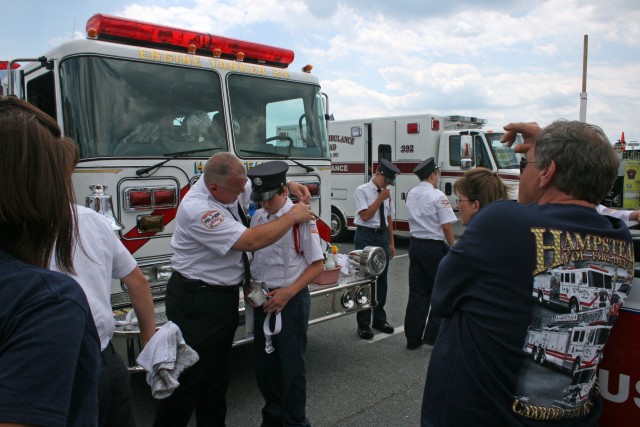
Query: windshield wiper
[[175, 155], [284, 156]]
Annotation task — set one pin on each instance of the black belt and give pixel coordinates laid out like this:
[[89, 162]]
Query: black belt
[[195, 285], [371, 230], [427, 240]]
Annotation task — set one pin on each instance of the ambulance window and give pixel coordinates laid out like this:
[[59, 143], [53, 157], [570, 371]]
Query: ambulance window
[[384, 152], [480, 155], [41, 93]]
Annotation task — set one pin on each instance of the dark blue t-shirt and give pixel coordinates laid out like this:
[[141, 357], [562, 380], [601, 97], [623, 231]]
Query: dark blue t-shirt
[[49, 348], [528, 296]]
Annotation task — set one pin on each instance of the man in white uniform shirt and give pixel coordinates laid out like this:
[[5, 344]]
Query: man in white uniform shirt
[[430, 218], [210, 264], [284, 270], [374, 221], [98, 256]]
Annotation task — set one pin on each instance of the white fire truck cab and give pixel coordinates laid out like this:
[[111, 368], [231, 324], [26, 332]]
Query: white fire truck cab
[[456, 143], [149, 104]]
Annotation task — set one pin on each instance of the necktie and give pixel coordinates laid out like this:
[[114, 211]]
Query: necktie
[[383, 223], [245, 258]]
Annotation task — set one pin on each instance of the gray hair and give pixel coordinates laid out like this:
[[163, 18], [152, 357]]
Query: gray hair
[[586, 162], [222, 165]]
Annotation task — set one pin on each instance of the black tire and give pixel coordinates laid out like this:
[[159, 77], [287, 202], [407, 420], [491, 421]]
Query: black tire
[[338, 226], [575, 367], [574, 306]]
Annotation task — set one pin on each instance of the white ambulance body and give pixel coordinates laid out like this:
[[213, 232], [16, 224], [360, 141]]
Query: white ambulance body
[[149, 104], [456, 143]]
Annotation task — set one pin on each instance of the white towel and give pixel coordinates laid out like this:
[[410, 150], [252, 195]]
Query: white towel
[[164, 358]]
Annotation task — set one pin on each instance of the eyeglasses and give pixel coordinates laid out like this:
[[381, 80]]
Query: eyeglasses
[[458, 200], [524, 162]]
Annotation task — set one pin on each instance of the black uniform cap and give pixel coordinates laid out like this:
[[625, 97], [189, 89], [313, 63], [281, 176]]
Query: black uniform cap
[[425, 169], [388, 170], [267, 179]]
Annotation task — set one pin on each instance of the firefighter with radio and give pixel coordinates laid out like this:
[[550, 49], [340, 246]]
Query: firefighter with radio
[[374, 221]]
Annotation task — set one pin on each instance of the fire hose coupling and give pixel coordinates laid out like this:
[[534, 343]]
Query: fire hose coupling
[[371, 260]]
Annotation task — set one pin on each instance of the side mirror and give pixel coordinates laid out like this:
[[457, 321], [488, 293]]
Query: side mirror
[[466, 151]]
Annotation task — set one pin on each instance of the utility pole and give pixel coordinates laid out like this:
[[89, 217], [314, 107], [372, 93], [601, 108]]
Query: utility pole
[[583, 94]]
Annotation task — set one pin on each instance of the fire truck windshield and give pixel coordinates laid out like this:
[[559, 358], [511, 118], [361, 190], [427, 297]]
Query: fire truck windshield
[[285, 118], [119, 108]]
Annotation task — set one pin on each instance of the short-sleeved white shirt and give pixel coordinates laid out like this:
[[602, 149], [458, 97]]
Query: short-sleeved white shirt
[[428, 209], [616, 213], [364, 197], [205, 232], [268, 263], [97, 258]]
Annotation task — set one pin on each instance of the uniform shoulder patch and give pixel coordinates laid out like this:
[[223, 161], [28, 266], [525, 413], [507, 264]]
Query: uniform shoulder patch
[[212, 219], [444, 202]]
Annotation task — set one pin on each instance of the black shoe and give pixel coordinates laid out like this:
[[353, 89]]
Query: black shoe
[[365, 333], [385, 327], [413, 346]]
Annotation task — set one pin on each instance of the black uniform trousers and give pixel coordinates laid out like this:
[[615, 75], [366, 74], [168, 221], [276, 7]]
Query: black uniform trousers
[[424, 258], [208, 318], [282, 375], [115, 407], [364, 237]]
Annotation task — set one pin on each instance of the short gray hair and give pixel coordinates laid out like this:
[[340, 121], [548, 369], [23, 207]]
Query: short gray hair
[[586, 162], [222, 165]]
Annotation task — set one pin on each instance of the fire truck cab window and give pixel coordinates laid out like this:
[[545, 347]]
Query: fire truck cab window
[[275, 116], [145, 109]]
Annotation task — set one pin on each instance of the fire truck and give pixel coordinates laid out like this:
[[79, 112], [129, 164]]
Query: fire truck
[[571, 346], [457, 143], [578, 289], [148, 105]]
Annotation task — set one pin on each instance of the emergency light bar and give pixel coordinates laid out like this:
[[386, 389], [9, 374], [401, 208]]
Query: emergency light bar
[[129, 31], [5, 65], [467, 119]]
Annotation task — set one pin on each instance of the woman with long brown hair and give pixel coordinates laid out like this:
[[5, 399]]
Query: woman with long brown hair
[[49, 348]]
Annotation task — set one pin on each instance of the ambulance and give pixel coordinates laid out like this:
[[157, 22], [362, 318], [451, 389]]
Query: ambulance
[[457, 143], [147, 105]]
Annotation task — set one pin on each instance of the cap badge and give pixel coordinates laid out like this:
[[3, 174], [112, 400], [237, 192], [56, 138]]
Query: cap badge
[[257, 181]]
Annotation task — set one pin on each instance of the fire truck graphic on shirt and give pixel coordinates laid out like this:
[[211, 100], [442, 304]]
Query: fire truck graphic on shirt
[[580, 285]]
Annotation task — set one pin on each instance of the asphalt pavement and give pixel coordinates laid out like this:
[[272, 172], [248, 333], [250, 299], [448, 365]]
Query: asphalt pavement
[[350, 382]]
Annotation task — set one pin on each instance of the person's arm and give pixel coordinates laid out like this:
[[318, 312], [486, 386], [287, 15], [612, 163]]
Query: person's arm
[[280, 297], [301, 191], [633, 215], [528, 130], [266, 234], [142, 301], [367, 214], [448, 234]]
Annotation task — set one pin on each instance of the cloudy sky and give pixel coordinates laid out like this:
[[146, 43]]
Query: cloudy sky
[[496, 59]]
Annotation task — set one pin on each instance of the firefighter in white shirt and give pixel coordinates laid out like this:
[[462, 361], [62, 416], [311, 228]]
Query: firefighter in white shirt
[[374, 221], [203, 291], [283, 270], [430, 218]]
